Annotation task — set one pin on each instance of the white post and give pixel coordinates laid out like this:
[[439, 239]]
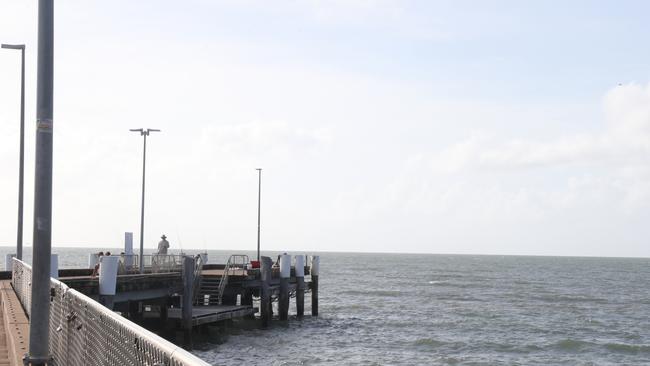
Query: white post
[[128, 250], [8, 262], [108, 275], [300, 266], [93, 259], [54, 266], [315, 265], [285, 266]]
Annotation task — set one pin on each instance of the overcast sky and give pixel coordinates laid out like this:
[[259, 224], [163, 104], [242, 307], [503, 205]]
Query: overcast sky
[[494, 127]]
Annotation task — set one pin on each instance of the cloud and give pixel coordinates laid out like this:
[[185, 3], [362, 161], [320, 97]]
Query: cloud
[[260, 138], [574, 194], [625, 138]]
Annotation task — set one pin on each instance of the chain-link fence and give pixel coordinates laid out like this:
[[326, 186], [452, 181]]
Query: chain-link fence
[[83, 332]]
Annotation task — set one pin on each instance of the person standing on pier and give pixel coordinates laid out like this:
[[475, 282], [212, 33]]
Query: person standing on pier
[[163, 245]]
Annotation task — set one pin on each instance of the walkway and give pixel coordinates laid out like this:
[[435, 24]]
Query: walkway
[[14, 327]]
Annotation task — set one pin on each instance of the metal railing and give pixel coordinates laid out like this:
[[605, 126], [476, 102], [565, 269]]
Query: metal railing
[[235, 262], [83, 332], [154, 263], [198, 269]]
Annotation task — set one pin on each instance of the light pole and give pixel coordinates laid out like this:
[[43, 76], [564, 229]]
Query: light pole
[[144, 133], [21, 164], [39, 319], [259, 200]]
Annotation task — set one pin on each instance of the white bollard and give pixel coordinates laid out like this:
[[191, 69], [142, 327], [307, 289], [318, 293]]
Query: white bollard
[[93, 259], [300, 266], [9, 262], [285, 266], [54, 266], [315, 265], [108, 275], [128, 250]]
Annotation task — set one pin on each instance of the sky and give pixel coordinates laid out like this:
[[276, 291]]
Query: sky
[[471, 127]]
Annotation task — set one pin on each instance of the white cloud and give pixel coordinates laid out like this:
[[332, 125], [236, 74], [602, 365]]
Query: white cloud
[[624, 139]]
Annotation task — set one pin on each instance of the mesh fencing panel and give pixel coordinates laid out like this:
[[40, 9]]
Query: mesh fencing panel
[[21, 279], [84, 332]]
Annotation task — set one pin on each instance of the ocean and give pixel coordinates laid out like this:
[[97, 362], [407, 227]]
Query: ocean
[[421, 309]]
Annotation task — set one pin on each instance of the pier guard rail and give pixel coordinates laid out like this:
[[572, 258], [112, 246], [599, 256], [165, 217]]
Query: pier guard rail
[[84, 332], [156, 263]]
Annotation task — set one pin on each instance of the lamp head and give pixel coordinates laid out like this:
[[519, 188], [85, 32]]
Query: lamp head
[[14, 46]]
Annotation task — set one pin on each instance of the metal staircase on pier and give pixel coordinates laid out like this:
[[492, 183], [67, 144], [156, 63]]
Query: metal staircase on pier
[[211, 289]]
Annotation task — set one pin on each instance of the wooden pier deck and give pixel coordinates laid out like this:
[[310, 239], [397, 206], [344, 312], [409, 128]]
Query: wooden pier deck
[[14, 327]]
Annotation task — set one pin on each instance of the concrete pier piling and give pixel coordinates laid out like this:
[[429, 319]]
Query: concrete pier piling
[[265, 296], [285, 274], [186, 308], [300, 285], [315, 268]]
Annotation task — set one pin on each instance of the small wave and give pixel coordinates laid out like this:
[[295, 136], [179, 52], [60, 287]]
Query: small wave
[[569, 299], [429, 342], [382, 293], [571, 345], [463, 285], [628, 348]]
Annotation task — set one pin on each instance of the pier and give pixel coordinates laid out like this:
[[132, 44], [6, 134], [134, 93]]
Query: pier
[[182, 296]]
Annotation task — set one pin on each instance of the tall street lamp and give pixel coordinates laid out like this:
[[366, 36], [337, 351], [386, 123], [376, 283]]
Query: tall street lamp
[[259, 200], [144, 133], [21, 165], [39, 318]]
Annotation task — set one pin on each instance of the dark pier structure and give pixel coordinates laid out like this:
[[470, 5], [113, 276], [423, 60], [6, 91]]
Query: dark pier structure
[[180, 294]]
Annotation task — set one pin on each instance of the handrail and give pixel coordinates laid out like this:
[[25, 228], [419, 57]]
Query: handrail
[[226, 271], [198, 277], [83, 332]]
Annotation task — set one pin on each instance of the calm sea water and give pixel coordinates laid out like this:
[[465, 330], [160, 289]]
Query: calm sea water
[[387, 309]]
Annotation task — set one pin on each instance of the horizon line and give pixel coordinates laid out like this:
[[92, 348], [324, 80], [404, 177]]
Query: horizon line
[[381, 252]]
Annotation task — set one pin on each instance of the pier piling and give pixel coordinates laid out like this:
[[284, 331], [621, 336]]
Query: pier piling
[[300, 286], [285, 273], [265, 296], [315, 264], [186, 308]]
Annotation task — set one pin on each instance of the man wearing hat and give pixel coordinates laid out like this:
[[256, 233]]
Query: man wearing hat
[[163, 245]]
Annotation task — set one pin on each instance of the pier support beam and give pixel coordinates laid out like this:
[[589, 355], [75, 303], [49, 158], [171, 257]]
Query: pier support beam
[[247, 297], [285, 273], [300, 286], [315, 268], [265, 298], [186, 308]]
